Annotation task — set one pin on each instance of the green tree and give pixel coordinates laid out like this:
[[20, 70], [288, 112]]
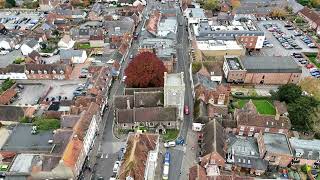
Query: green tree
[[300, 112], [288, 93], [10, 3], [211, 5]]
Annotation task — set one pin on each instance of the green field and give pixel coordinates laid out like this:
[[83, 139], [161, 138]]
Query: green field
[[263, 106]]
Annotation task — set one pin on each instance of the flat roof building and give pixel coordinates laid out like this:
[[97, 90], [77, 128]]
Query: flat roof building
[[262, 70]]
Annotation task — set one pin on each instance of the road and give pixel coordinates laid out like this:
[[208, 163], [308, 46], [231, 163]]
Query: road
[[110, 145], [178, 153]]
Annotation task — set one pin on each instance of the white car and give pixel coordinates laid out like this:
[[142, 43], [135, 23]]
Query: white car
[[169, 144], [269, 45], [4, 52], [116, 167], [124, 78]]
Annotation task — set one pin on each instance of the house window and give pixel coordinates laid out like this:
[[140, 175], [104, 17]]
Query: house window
[[151, 124], [169, 124], [124, 125], [267, 130], [252, 129]]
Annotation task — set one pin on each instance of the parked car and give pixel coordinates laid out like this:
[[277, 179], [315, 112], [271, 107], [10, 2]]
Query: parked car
[[4, 52], [169, 144], [180, 141], [116, 166], [309, 66]]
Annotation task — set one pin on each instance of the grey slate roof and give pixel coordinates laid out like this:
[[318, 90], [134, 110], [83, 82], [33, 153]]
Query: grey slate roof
[[148, 99], [277, 143], [308, 149], [68, 54], [246, 152], [32, 43], [199, 79], [270, 64]]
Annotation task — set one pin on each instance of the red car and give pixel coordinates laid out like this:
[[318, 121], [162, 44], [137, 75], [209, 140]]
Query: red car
[[309, 66], [186, 110]]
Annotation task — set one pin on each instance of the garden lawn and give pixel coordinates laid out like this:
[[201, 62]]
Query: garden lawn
[[171, 134], [263, 106], [84, 46]]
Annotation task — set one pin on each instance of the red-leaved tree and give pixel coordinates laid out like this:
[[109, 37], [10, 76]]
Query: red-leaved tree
[[145, 70]]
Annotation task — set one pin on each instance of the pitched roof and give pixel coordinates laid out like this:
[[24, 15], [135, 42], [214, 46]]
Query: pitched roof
[[281, 107], [6, 96], [15, 68], [72, 152], [155, 114], [125, 116], [197, 172], [34, 55], [136, 155], [213, 138], [31, 43], [311, 14], [70, 53], [46, 67], [148, 99], [11, 113], [69, 121], [120, 102], [249, 116]]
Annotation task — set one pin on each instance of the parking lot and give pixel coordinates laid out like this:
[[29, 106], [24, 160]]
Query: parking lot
[[16, 20], [29, 94], [278, 49]]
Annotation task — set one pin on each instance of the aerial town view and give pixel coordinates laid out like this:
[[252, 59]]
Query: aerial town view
[[159, 89]]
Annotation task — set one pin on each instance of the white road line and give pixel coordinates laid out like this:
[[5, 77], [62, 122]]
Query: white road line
[[106, 156], [101, 156]]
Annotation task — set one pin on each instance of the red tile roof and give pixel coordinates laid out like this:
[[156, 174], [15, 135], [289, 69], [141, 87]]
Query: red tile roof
[[153, 21], [138, 147], [311, 14], [72, 152], [7, 96]]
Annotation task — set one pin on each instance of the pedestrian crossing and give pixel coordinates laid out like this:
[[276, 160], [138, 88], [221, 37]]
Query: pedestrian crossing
[[104, 156]]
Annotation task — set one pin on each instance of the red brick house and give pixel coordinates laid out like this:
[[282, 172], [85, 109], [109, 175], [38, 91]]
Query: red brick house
[[312, 17], [212, 144], [48, 71], [249, 121]]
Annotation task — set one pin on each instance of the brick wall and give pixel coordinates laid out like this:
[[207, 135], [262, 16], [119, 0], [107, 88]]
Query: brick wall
[[272, 78]]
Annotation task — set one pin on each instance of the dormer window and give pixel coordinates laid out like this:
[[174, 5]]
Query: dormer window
[[54, 72], [61, 72], [45, 72], [39, 72], [27, 72]]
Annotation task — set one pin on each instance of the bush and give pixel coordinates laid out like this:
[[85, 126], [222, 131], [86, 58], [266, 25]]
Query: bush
[[24, 120], [196, 66], [8, 83], [18, 60], [46, 124], [299, 20]]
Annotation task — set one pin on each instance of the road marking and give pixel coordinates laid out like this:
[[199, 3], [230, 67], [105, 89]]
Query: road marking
[[101, 156], [106, 156]]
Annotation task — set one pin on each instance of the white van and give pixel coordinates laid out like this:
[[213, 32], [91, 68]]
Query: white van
[[165, 175], [116, 167]]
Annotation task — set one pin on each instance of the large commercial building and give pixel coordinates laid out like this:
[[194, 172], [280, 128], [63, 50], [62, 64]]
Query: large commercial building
[[261, 70]]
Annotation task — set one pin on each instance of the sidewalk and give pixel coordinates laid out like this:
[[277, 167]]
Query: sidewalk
[[189, 158]]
